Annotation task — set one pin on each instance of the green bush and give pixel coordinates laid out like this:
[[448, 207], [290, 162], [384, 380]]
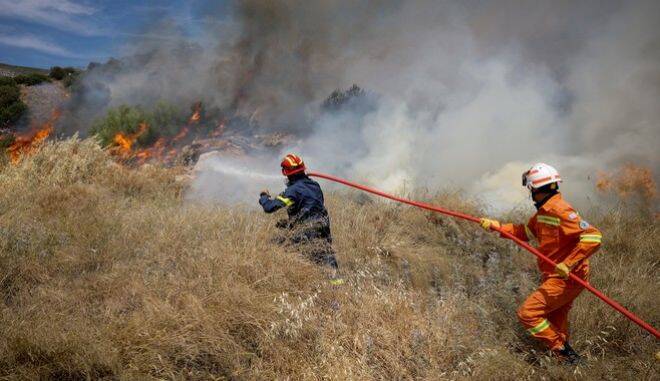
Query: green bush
[[9, 95], [59, 73], [164, 120], [7, 81], [11, 106], [11, 113], [31, 79], [70, 79], [168, 119], [124, 119]]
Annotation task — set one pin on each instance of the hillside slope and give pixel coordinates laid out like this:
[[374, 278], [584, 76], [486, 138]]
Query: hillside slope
[[107, 273], [7, 70]]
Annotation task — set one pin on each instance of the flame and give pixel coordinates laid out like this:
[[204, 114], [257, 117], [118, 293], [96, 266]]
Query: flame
[[154, 152], [627, 181], [195, 117], [197, 113], [27, 143], [182, 134], [124, 142], [167, 150]]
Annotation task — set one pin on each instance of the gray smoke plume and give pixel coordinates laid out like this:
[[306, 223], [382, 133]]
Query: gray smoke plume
[[468, 94]]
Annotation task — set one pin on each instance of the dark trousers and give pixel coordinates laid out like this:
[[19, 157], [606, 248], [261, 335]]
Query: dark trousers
[[314, 240]]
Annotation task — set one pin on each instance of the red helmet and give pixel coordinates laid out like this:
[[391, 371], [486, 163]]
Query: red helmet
[[292, 164]]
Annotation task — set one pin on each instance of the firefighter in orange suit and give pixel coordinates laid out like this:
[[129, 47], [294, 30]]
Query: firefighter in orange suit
[[565, 238]]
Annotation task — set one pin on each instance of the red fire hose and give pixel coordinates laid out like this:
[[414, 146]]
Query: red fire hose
[[521, 243]]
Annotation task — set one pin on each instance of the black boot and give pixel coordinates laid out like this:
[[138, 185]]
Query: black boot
[[568, 355]]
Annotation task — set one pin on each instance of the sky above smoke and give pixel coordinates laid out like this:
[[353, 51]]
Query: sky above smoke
[[469, 93]]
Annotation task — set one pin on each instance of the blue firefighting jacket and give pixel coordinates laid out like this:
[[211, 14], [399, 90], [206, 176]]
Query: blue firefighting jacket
[[303, 199]]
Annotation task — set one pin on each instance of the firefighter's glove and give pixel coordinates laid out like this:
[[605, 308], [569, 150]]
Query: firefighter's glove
[[562, 270], [264, 193], [489, 224]]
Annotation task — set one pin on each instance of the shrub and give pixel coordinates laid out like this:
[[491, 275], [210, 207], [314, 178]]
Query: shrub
[[123, 119], [11, 106], [168, 119], [9, 94], [70, 79], [7, 81], [163, 120], [31, 79], [12, 113], [57, 73], [338, 99]]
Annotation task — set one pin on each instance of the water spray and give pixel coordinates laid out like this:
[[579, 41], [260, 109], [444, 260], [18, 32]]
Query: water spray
[[238, 171]]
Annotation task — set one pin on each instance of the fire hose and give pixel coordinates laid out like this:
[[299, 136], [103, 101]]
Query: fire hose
[[518, 241]]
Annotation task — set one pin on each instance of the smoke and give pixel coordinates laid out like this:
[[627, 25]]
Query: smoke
[[232, 180], [466, 94]]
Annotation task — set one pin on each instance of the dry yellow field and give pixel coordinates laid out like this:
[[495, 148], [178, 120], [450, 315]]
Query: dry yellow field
[[106, 273]]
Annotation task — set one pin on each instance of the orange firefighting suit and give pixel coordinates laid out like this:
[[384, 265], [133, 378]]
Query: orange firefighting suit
[[563, 237]]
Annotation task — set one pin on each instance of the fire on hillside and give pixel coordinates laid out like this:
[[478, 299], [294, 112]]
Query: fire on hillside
[[233, 135], [627, 181], [197, 136], [24, 144]]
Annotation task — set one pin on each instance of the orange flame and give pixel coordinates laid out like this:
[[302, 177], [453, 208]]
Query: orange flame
[[197, 113], [182, 134], [627, 181], [124, 142], [154, 152], [27, 143]]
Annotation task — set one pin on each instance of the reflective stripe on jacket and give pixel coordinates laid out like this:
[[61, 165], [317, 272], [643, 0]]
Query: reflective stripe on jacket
[[562, 235], [303, 199]]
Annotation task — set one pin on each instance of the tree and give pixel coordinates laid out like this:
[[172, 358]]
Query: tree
[[338, 99], [57, 73]]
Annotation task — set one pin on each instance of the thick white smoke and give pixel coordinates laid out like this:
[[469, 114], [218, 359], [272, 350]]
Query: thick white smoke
[[466, 94]]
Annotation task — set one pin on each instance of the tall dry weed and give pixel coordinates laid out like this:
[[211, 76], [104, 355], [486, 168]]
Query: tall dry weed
[[105, 273]]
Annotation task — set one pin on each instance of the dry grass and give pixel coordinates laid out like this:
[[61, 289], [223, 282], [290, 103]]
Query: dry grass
[[106, 273]]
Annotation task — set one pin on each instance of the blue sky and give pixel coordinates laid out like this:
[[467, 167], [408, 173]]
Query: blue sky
[[45, 33]]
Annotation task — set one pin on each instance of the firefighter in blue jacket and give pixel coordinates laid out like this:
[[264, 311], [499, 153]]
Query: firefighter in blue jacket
[[308, 225]]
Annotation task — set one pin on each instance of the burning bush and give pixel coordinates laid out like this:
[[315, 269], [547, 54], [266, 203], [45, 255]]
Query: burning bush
[[162, 121], [160, 134], [125, 121], [20, 145]]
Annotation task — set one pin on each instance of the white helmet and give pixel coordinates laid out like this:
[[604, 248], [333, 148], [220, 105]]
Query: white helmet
[[539, 175]]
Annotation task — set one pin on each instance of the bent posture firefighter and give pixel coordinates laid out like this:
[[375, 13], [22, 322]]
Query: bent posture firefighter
[[568, 240], [308, 225]]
